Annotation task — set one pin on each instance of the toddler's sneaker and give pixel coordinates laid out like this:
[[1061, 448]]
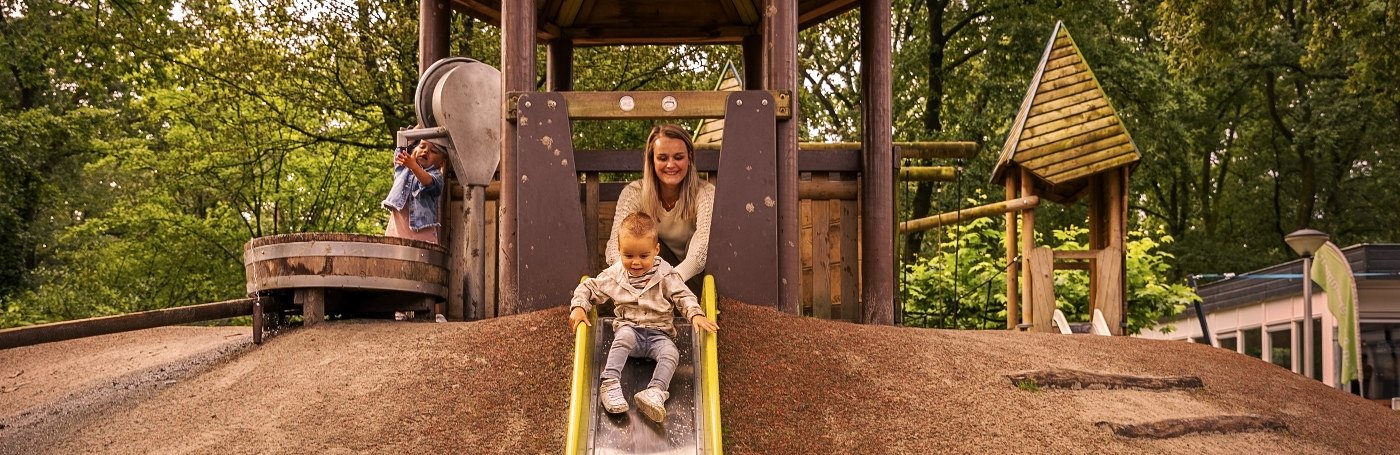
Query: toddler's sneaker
[[652, 402], [399, 315], [610, 393], [441, 318]]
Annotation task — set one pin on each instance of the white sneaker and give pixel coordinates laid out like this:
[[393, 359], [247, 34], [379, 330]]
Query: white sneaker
[[399, 315], [652, 402], [610, 393], [441, 318]]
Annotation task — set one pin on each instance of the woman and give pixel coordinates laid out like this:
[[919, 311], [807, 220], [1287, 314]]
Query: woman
[[671, 192]]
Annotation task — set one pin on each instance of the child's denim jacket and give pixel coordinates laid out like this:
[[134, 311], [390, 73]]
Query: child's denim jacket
[[423, 213]]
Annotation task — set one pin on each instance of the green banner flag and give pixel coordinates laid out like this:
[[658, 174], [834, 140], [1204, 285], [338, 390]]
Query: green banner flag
[[1331, 270]]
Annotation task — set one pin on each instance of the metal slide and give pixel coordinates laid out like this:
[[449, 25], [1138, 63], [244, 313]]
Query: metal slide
[[692, 422]]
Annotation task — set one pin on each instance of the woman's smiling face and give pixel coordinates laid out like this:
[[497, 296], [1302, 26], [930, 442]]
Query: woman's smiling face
[[670, 160]]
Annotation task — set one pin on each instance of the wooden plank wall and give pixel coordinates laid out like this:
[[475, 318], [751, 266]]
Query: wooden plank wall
[[827, 249]]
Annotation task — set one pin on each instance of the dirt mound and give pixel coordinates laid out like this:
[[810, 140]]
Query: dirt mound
[[789, 385]]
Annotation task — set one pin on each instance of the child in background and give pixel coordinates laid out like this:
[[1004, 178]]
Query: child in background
[[646, 292], [413, 200]]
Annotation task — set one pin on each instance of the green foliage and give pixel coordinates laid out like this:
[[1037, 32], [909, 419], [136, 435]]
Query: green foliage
[[142, 143], [963, 284]]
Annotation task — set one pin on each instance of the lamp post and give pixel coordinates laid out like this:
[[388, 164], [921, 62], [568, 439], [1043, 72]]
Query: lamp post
[[1305, 242]]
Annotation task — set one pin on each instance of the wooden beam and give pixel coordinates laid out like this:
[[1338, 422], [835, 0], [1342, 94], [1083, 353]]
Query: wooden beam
[[928, 173], [823, 11], [559, 64], [821, 253], [1027, 182], [783, 76], [937, 150], [433, 32], [1013, 270], [1042, 306], [845, 190], [1081, 380], [997, 208], [313, 305], [1077, 254], [517, 75], [614, 36], [67, 330], [755, 75], [1074, 265], [877, 182], [651, 105]]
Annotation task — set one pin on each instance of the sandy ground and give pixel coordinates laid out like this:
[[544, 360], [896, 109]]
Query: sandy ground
[[788, 385]]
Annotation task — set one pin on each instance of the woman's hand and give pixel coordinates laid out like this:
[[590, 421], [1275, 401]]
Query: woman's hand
[[576, 316], [705, 323]]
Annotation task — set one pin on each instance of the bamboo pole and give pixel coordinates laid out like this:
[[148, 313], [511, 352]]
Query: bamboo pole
[[997, 208], [928, 173]]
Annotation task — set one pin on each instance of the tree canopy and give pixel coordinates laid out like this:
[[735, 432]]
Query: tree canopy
[[141, 144]]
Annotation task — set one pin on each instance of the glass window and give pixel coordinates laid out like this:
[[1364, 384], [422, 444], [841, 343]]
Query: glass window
[[1254, 342], [1317, 348], [1281, 347], [1229, 342], [1380, 360]]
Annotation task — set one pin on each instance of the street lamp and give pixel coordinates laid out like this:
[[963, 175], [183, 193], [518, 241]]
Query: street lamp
[[1305, 242]]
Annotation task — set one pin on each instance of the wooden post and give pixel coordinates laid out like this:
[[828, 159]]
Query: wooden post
[[313, 305], [1109, 290], [474, 238], [1113, 301], [1028, 302], [492, 251], [782, 75], [850, 260], [591, 219], [518, 75], [821, 255], [1012, 270], [1042, 265], [559, 65], [754, 77], [1097, 223], [877, 183], [433, 30], [460, 258]]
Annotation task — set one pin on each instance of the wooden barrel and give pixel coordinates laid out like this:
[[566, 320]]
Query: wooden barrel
[[345, 261]]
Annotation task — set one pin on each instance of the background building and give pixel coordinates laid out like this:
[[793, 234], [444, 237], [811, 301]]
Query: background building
[[1260, 314]]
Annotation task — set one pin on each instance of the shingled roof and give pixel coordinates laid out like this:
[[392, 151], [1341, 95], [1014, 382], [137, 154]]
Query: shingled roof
[[1066, 129]]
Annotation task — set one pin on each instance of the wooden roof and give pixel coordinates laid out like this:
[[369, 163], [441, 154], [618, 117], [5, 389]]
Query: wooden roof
[[618, 22], [1066, 129], [711, 130]]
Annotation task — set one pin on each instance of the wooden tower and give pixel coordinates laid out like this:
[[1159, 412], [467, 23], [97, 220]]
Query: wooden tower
[[1067, 143], [767, 30]]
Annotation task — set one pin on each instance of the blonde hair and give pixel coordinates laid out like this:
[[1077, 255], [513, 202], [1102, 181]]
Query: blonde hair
[[690, 185], [638, 225]]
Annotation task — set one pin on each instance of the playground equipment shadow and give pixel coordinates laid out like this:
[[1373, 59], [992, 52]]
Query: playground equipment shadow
[[788, 385]]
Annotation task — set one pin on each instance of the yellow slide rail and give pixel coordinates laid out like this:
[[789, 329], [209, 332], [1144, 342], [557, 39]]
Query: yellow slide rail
[[709, 395], [579, 390]]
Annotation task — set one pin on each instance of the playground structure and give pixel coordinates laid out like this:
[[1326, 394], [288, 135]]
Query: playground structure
[[1067, 143], [821, 228], [535, 188]]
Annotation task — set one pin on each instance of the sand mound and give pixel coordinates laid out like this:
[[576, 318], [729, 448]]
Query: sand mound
[[789, 385]]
